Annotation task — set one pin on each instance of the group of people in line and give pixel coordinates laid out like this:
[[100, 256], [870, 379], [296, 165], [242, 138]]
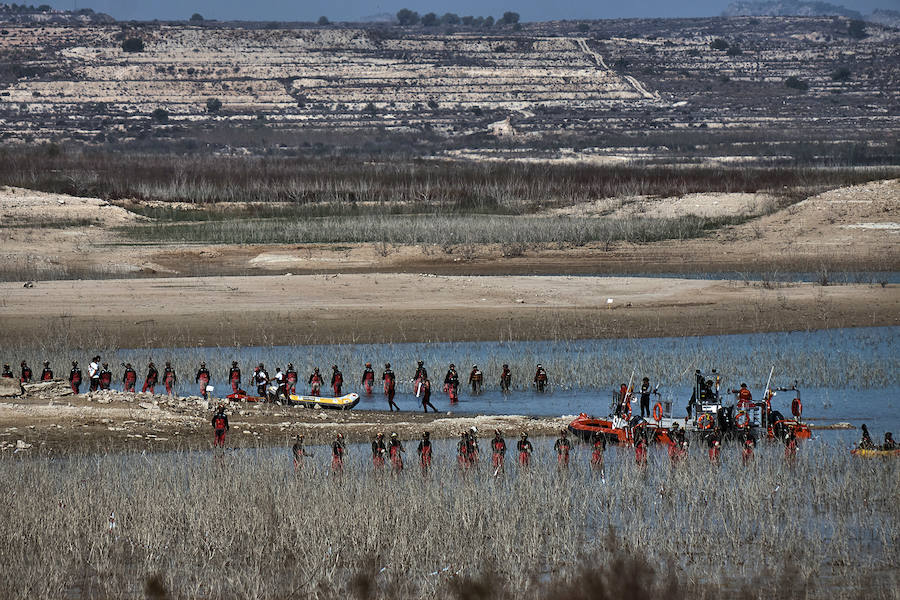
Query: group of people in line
[[277, 385]]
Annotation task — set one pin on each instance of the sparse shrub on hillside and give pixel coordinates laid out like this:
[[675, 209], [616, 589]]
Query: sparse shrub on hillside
[[197, 17], [840, 74], [160, 115], [734, 50], [430, 20], [323, 20], [407, 17], [584, 27], [133, 45], [857, 29], [432, 104], [796, 84], [509, 18], [450, 19], [489, 21], [213, 105], [718, 44], [468, 20], [370, 109]]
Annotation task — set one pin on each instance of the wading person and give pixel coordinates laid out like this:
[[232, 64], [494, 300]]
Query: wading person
[[866, 443], [562, 448], [26, 374], [645, 397], [498, 451], [151, 379], [889, 443], [220, 426], [451, 383], [396, 451], [540, 378], [476, 377], [202, 378], [338, 450], [47, 373], [640, 448], [714, 441], [94, 374], [426, 395], [129, 378], [748, 445], [790, 447], [462, 451], [337, 380], [74, 377], [290, 381], [425, 451], [105, 377], [169, 378], [379, 451], [525, 450], [505, 379], [421, 373], [234, 377], [315, 383], [298, 451], [368, 378], [473, 449], [390, 386], [598, 447]]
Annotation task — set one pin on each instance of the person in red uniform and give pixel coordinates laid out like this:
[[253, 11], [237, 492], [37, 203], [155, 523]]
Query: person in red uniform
[[315, 383], [105, 377], [390, 386], [151, 379], [337, 380], [451, 383], [421, 373], [338, 450], [640, 448], [129, 378], [220, 427], [426, 395], [748, 444], [47, 373], [498, 451], [425, 451], [290, 381], [540, 378], [714, 442], [505, 379], [462, 451], [26, 373], [562, 446], [298, 451], [379, 451], [745, 398], [169, 378], [75, 377], [396, 451], [525, 450], [234, 377], [202, 378], [598, 447], [472, 449], [790, 447], [368, 378]]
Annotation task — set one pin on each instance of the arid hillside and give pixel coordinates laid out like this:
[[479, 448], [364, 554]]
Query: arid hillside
[[605, 90]]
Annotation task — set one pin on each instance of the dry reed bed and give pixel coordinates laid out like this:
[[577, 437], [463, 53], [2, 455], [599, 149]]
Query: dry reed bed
[[243, 525], [865, 358]]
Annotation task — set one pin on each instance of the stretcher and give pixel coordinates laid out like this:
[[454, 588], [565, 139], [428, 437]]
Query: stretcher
[[345, 402]]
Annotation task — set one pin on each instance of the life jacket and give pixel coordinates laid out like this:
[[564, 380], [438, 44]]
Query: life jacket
[[337, 378], [130, 376], [378, 448], [498, 446], [75, 376], [425, 450], [152, 376], [315, 378], [395, 450], [46, 375], [202, 374], [291, 376], [220, 421], [562, 447], [368, 375], [476, 375], [337, 450], [26, 374], [105, 377], [169, 375], [541, 375], [234, 374], [389, 379]]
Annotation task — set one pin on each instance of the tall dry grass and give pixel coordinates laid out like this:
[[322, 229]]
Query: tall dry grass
[[243, 525]]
